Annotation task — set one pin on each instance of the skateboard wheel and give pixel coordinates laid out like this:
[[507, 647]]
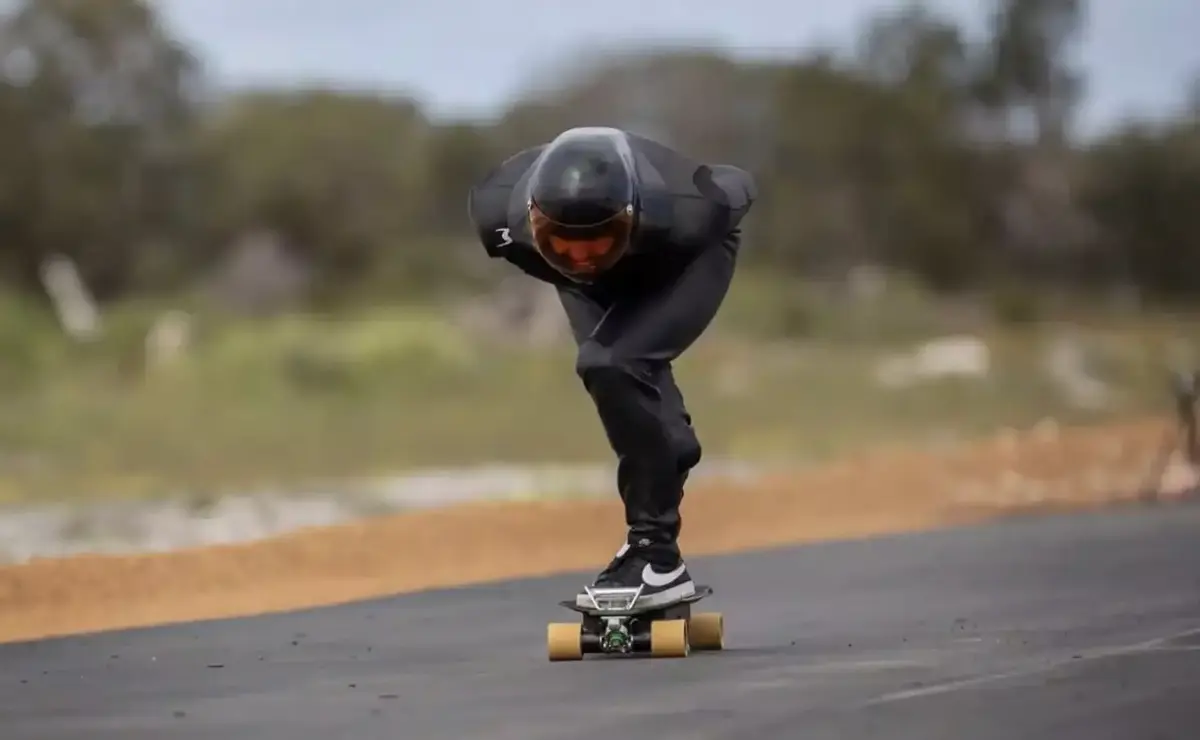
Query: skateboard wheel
[[707, 631], [564, 641], [669, 638]]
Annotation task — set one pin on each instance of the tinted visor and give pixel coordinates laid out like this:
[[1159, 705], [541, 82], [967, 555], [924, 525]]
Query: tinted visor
[[581, 252]]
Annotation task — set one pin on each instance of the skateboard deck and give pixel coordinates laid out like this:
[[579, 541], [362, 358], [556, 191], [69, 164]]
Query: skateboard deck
[[616, 624], [634, 610]]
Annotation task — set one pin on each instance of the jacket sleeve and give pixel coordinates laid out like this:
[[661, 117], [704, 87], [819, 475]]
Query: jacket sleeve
[[488, 209], [487, 206], [739, 188], [531, 263]]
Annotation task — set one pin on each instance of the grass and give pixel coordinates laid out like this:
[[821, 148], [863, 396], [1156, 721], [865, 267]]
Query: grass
[[293, 400]]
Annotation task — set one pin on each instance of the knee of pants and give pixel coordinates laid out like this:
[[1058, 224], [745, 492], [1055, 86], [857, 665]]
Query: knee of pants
[[688, 451], [599, 368], [685, 445]]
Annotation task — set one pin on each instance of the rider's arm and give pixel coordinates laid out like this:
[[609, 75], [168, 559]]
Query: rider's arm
[[488, 208]]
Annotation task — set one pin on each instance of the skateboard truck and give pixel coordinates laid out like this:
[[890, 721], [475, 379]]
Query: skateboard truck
[[616, 637]]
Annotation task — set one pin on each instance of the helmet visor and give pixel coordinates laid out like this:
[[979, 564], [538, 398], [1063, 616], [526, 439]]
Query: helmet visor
[[581, 252]]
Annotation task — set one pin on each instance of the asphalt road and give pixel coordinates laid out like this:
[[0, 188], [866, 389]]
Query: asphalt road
[[1066, 627]]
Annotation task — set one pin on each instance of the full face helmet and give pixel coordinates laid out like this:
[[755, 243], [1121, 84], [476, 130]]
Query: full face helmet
[[583, 202]]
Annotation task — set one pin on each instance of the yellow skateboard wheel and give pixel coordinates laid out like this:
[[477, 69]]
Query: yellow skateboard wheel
[[564, 641], [669, 638], [707, 631]]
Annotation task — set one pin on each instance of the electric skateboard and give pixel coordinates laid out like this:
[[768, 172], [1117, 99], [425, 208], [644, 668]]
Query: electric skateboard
[[614, 623]]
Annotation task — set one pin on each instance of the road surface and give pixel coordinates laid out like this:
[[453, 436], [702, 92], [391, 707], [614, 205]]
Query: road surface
[[1067, 627]]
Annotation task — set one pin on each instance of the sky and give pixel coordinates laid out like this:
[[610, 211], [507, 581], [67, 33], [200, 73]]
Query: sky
[[473, 57]]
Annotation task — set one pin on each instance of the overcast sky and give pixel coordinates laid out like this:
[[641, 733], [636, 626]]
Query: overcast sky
[[471, 57]]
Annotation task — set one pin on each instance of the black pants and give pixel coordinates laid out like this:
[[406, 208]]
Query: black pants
[[627, 343]]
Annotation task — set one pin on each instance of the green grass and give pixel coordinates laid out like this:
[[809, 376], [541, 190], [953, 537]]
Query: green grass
[[301, 399]]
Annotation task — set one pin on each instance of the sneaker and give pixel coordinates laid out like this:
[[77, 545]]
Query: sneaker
[[615, 563], [660, 572]]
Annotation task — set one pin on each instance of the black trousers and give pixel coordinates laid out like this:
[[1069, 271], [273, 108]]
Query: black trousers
[[627, 342]]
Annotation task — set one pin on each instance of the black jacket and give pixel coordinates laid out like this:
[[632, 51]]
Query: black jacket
[[686, 206]]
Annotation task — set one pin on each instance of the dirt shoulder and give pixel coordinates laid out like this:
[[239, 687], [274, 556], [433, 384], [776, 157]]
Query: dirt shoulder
[[875, 493]]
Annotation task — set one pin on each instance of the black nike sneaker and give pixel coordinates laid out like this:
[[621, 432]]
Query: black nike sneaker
[[659, 570]]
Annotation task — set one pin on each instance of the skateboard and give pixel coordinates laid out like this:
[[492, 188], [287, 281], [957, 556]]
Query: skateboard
[[615, 624]]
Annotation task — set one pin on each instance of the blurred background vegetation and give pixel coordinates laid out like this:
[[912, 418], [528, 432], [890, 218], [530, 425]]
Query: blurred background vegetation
[[200, 290]]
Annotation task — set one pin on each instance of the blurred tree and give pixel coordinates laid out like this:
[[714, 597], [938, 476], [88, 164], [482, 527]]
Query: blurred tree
[[873, 165], [1142, 192], [702, 102], [1026, 68], [924, 150], [340, 177], [96, 98], [1029, 89]]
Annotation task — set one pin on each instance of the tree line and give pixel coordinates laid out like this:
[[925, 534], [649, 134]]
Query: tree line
[[920, 149]]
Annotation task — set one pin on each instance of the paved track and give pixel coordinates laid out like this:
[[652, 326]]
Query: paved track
[[1082, 627]]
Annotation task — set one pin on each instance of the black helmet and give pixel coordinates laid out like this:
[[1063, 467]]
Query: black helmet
[[582, 201]]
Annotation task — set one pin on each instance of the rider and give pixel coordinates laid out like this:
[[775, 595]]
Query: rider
[[641, 243]]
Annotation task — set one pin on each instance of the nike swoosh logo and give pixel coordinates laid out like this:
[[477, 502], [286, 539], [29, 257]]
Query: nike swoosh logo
[[653, 578]]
